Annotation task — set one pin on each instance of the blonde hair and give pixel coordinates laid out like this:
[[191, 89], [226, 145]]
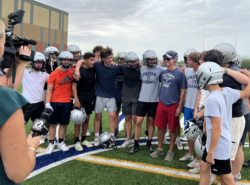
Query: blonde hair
[[2, 29]]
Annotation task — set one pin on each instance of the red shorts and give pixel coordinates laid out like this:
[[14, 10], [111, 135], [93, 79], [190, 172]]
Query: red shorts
[[165, 115]]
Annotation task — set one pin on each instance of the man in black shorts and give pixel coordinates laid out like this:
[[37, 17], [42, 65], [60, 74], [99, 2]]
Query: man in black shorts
[[84, 94]]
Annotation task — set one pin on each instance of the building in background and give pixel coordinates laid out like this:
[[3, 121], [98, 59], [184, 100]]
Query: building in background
[[42, 23]]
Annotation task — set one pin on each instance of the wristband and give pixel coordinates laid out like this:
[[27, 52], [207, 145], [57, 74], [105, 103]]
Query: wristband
[[32, 149], [225, 70]]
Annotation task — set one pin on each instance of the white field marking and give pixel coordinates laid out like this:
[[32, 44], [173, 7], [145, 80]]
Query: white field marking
[[121, 123]]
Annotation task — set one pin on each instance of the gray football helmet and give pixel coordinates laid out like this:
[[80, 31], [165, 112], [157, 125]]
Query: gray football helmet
[[191, 50], [132, 60], [121, 56], [39, 57], [150, 55], [65, 55], [238, 60], [106, 140], [209, 73], [78, 116], [228, 51], [193, 128], [200, 145], [75, 49], [50, 50]]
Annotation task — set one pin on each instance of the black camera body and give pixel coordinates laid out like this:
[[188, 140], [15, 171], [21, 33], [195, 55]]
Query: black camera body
[[13, 44]]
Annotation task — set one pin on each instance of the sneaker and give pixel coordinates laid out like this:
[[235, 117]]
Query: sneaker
[[62, 146], [96, 142], [187, 157], [49, 149], [78, 146], [212, 179], [239, 177], [150, 148], [169, 157], [117, 133], [88, 133], [194, 164], [168, 133], [157, 153], [186, 147], [42, 140], [87, 144], [246, 164], [165, 141], [194, 170], [179, 145], [128, 142], [134, 150]]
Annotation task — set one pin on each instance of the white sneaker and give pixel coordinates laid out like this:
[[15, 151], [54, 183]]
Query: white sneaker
[[194, 170], [49, 149], [78, 146], [212, 179], [42, 140], [128, 142], [165, 141], [96, 141], [179, 145], [87, 144], [187, 157], [194, 164], [62, 146], [168, 133], [88, 133], [186, 147]]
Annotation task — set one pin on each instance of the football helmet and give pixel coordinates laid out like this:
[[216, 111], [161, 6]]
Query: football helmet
[[238, 60], [209, 73], [130, 58], [187, 53], [193, 128], [78, 116], [228, 51], [106, 140], [39, 57], [150, 55], [121, 56], [65, 55], [75, 49], [200, 144], [50, 50]]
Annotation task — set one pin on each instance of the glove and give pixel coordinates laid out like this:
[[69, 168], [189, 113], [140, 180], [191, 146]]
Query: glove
[[49, 106]]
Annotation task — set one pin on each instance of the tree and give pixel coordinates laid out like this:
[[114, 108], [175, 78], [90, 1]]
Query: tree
[[115, 56], [245, 62]]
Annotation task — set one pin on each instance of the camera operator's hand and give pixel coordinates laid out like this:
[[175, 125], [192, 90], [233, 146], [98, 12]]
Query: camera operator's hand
[[25, 50], [33, 141]]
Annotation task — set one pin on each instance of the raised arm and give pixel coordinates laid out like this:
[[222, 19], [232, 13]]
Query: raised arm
[[239, 77], [77, 75], [245, 93]]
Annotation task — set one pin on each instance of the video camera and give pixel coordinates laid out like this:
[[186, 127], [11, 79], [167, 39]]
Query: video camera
[[13, 44]]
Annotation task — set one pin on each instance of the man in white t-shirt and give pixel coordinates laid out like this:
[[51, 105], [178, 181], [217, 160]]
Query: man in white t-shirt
[[33, 82]]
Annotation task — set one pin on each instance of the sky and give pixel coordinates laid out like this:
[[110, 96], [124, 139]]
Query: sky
[[159, 25]]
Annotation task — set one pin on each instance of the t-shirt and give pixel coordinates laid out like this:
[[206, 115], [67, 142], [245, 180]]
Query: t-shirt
[[131, 81], [105, 80], [10, 102], [48, 70], [192, 88], [171, 84], [150, 87], [86, 85], [245, 110], [219, 104], [228, 81], [118, 89], [33, 83], [62, 82]]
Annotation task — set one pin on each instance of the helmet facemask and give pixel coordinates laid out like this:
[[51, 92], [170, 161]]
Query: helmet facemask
[[148, 62], [38, 61], [133, 64]]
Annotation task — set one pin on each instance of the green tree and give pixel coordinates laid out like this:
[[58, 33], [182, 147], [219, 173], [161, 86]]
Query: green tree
[[245, 62], [115, 56], [181, 63]]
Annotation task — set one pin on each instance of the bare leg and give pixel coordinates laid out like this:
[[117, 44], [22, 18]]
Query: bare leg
[[112, 122], [191, 146], [227, 179], [205, 173], [147, 122], [160, 135], [97, 122], [117, 119], [52, 131], [172, 140], [139, 121], [85, 126], [238, 162], [128, 125], [62, 131], [151, 127]]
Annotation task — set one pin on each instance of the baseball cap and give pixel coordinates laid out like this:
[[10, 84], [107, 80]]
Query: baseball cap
[[169, 54]]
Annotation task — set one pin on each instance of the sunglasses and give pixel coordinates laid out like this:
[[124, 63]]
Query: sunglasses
[[165, 58]]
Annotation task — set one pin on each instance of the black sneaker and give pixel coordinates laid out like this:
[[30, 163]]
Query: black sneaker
[[117, 132], [150, 148], [134, 150], [246, 164]]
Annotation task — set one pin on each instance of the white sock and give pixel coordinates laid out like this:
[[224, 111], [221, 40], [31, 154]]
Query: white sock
[[178, 139], [96, 134], [112, 134]]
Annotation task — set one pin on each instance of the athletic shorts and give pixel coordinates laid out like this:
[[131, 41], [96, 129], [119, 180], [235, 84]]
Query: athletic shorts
[[61, 113], [165, 115], [88, 106], [102, 103], [188, 114], [221, 167], [34, 111], [129, 106], [144, 107], [246, 129], [238, 125], [118, 106]]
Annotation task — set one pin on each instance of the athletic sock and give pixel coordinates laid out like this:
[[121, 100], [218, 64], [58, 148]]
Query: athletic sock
[[112, 134], [51, 141], [178, 139], [146, 133], [160, 148], [136, 143], [60, 140], [96, 134], [83, 138], [149, 142], [76, 139]]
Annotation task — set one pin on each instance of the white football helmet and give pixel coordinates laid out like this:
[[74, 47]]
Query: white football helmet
[[121, 56], [106, 140], [147, 55], [78, 116], [200, 145], [39, 57], [228, 51], [238, 60], [65, 55], [192, 129], [50, 50], [75, 49], [132, 57]]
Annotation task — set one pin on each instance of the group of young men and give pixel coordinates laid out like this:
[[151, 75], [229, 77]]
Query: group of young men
[[146, 89]]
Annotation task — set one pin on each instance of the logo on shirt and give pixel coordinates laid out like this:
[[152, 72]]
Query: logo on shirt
[[192, 81], [166, 79], [149, 75], [65, 80]]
